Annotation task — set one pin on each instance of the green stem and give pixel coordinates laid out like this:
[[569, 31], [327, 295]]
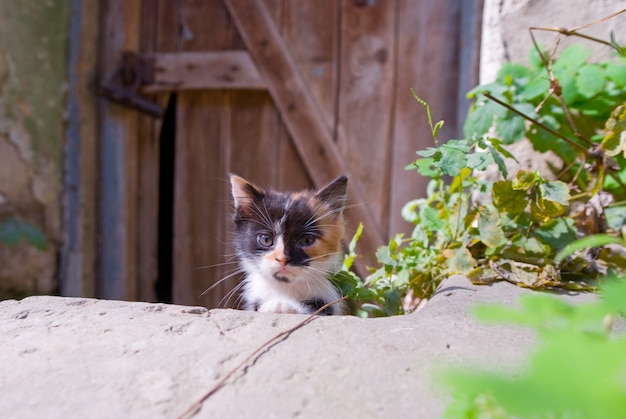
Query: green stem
[[540, 125]]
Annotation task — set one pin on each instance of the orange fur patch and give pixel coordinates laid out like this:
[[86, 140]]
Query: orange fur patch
[[333, 230]]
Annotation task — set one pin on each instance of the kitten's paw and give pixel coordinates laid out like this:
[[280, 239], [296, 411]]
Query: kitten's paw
[[281, 306]]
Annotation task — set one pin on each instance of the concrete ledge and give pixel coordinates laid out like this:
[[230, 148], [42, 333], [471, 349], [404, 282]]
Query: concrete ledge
[[72, 357]]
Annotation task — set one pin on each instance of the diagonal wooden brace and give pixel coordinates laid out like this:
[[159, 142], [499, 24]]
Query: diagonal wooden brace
[[300, 112]]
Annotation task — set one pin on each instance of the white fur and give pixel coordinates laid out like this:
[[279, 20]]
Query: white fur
[[305, 283]]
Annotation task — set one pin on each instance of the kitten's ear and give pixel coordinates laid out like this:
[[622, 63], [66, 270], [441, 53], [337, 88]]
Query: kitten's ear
[[335, 193], [244, 192]]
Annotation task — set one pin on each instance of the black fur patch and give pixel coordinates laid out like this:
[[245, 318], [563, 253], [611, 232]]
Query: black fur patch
[[264, 215], [316, 304]]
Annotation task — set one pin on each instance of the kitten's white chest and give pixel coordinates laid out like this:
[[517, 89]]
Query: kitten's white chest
[[271, 287]]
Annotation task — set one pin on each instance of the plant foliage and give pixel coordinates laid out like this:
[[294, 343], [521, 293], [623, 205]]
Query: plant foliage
[[577, 372], [12, 231], [520, 227]]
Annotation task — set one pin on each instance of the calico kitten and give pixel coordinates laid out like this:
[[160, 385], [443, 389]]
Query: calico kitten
[[288, 244]]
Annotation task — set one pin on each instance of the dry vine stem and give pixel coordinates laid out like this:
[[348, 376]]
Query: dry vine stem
[[555, 87], [195, 408], [594, 152]]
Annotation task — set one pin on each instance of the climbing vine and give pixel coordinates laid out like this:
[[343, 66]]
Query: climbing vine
[[523, 227]]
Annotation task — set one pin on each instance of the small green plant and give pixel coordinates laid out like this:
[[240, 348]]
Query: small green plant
[[578, 371], [12, 231], [527, 229]]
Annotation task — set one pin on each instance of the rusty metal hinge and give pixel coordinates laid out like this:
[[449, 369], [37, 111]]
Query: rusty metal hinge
[[124, 85]]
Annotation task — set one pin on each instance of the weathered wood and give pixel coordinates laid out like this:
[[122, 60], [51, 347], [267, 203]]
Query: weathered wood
[[77, 276], [200, 189], [148, 158], [118, 164], [427, 61], [203, 71], [203, 137], [366, 98], [167, 35], [299, 110], [312, 35], [310, 31], [337, 76]]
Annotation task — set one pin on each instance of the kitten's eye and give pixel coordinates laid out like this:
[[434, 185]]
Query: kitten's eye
[[307, 241], [265, 240]]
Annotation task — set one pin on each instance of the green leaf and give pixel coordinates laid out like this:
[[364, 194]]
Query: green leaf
[[351, 256], [479, 161], [513, 70], [591, 80], [542, 210], [557, 233], [572, 57], [595, 240], [555, 191], [34, 236], [535, 59], [497, 158], [550, 200], [426, 167], [392, 302], [531, 246], [536, 88], [489, 229], [436, 128], [481, 118], [384, 256], [430, 219], [569, 86], [507, 199], [428, 152], [10, 233], [614, 142], [615, 216], [452, 160], [614, 294], [525, 180], [542, 140], [511, 127], [616, 73], [459, 260], [408, 211], [13, 230]]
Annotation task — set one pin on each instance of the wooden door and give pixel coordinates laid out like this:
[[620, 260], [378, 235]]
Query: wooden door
[[287, 93]]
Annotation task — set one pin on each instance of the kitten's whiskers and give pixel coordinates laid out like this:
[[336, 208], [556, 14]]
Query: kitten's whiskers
[[212, 287]]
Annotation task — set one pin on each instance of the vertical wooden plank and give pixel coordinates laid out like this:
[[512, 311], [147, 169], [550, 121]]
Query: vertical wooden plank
[[203, 144], [311, 31], [256, 129], [206, 25], [255, 137], [168, 26], [153, 15], [366, 101], [428, 52], [77, 275], [200, 184], [118, 170]]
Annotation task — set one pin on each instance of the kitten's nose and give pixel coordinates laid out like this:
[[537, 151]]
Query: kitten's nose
[[283, 261]]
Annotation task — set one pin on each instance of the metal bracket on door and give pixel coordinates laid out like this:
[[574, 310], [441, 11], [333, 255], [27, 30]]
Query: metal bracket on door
[[123, 86]]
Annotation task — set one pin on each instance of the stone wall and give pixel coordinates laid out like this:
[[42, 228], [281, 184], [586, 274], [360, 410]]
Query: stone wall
[[505, 34], [33, 56], [506, 38]]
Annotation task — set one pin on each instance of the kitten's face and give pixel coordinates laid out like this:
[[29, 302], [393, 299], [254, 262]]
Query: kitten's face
[[289, 240]]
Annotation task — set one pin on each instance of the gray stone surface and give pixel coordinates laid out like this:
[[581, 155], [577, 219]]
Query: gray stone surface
[[72, 357]]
